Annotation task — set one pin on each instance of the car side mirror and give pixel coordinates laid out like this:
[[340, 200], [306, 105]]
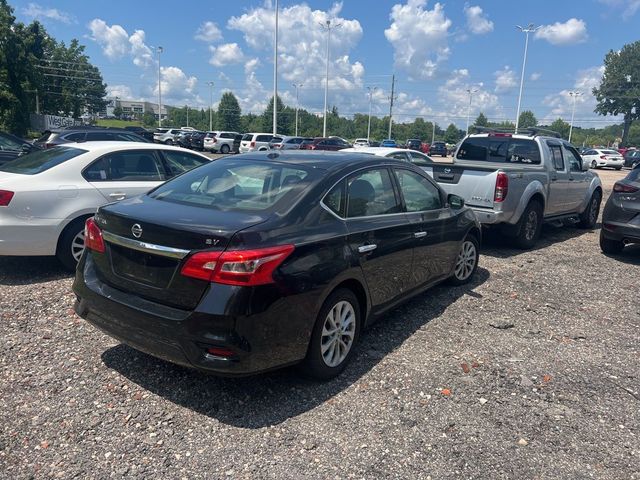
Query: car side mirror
[[455, 202]]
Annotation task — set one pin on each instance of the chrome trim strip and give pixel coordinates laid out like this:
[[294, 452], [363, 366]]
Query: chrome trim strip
[[145, 247]]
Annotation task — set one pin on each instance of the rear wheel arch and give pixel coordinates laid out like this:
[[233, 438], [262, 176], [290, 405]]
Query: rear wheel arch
[[65, 235]]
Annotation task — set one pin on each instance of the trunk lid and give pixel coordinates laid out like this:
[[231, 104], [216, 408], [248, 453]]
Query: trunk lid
[[475, 184], [148, 240]]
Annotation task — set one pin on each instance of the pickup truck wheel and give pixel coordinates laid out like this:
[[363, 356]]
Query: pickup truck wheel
[[466, 262], [224, 149], [610, 246], [530, 226], [589, 217]]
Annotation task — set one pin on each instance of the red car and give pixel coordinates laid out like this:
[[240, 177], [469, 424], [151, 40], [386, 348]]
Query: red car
[[424, 147], [331, 144]]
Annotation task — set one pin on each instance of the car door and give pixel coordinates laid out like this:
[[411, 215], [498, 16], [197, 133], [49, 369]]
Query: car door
[[589, 156], [578, 185], [125, 173], [432, 226], [379, 234], [558, 181]]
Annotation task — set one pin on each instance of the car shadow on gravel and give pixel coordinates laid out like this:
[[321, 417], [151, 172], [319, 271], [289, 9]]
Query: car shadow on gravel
[[271, 398], [496, 245], [630, 255], [28, 270]]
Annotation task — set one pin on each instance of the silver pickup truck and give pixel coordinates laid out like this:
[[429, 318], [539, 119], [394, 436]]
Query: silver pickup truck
[[518, 181]]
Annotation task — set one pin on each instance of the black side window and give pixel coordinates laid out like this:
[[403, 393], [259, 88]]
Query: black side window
[[574, 158], [335, 200], [99, 136], [371, 193], [556, 155], [418, 192], [132, 166], [75, 137], [420, 160]]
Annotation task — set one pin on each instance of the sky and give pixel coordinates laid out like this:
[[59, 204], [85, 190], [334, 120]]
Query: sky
[[436, 50]]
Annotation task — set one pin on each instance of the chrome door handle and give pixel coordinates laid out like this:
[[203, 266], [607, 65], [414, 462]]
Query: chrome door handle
[[367, 248], [118, 195], [419, 234]]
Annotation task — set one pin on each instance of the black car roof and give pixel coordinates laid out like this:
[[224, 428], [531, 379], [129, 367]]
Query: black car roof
[[330, 161]]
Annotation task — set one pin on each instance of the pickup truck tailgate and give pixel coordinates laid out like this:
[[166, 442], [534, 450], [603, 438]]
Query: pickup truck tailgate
[[475, 184]]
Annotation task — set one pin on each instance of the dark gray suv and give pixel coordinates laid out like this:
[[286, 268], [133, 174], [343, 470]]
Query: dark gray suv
[[621, 215], [54, 138]]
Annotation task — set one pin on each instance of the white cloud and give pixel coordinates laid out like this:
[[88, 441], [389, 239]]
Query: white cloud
[[142, 56], [176, 85], [419, 37], [454, 97], [568, 33], [535, 76], [114, 39], [208, 32], [629, 7], [505, 80], [37, 11], [302, 55], [226, 54], [121, 91], [477, 21]]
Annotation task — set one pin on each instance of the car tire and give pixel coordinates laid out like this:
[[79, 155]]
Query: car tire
[[594, 164], [224, 149], [610, 246], [529, 226], [618, 168], [330, 363], [69, 251], [466, 261], [589, 217], [168, 142]]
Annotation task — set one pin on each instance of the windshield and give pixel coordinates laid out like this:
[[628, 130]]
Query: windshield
[[233, 185], [41, 160], [247, 136], [499, 150]]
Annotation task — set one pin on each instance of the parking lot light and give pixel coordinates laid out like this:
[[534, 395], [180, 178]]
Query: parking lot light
[[526, 30]]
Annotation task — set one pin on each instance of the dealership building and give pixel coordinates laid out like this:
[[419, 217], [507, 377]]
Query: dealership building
[[131, 108]]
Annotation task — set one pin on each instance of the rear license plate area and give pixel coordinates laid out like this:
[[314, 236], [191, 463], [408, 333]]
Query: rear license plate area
[[152, 270]]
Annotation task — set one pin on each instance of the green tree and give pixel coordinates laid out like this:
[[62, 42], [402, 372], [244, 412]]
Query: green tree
[[149, 119], [619, 90], [481, 121], [117, 112], [228, 115], [452, 134], [284, 125], [527, 119], [561, 127]]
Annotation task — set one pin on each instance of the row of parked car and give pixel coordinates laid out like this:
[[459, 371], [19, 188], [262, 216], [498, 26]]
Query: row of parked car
[[249, 263]]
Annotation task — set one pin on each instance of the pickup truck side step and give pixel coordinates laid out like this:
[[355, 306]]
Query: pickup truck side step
[[559, 221]]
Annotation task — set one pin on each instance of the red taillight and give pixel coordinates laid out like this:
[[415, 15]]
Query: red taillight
[[253, 144], [502, 187], [617, 187], [220, 352], [499, 135], [239, 267], [5, 197], [93, 236], [603, 157]]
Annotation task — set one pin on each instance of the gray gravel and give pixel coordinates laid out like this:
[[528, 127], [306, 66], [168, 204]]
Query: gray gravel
[[531, 372]]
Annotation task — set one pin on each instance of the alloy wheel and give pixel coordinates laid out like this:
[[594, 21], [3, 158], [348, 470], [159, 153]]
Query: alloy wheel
[[466, 261], [338, 333], [531, 226], [77, 246], [593, 211], [594, 164]]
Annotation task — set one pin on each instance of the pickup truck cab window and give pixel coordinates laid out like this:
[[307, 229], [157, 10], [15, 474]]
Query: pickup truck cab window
[[500, 149], [556, 155], [574, 158]]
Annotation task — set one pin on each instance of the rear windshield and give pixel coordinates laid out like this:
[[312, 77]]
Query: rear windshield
[[45, 136], [500, 150], [233, 185], [40, 161], [610, 152], [247, 136]]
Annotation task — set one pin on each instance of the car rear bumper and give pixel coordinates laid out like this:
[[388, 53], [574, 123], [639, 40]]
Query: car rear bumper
[[623, 232], [275, 337], [487, 216], [610, 163]]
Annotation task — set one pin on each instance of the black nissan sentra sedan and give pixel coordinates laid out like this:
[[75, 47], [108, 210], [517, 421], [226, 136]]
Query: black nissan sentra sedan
[[264, 260]]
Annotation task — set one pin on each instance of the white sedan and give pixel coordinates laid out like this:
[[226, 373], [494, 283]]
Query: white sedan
[[46, 196], [596, 158], [404, 154]]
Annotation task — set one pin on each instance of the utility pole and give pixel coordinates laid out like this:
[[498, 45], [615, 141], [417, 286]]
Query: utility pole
[[391, 99], [371, 91], [37, 103], [159, 50], [297, 86], [470, 91], [527, 30], [327, 26], [275, 75], [433, 132], [210, 105], [575, 96], [187, 106]]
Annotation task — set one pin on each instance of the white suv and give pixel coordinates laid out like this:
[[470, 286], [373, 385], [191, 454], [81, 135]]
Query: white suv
[[166, 135], [361, 142], [255, 141], [219, 141]]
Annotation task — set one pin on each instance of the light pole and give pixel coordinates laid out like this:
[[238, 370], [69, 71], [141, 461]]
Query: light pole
[[275, 75], [187, 107], [210, 105], [371, 91], [526, 30], [327, 26], [297, 86], [470, 91], [159, 50], [575, 96]]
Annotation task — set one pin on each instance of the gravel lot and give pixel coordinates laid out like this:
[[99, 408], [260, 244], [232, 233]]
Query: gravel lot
[[530, 372]]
